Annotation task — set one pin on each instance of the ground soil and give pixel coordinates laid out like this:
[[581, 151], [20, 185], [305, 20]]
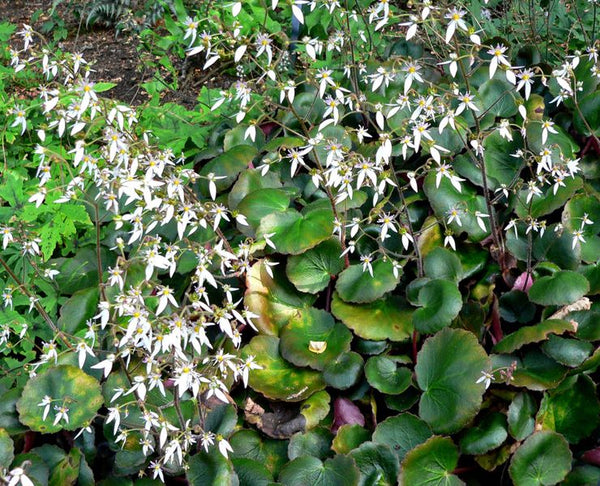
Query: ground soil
[[116, 57]]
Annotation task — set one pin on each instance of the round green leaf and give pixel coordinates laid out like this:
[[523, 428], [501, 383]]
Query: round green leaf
[[278, 379], [6, 448], [227, 165], [402, 433], [501, 168], [532, 334], [443, 264], [343, 371], [294, 232], [535, 371], [251, 180], [516, 307], [446, 197], [384, 374], [548, 202], [316, 408], [210, 468], [356, 285], [570, 352], [251, 473], [440, 302], [386, 318], [248, 444], [431, 464], [316, 443], [572, 409], [313, 338], [262, 203], [348, 437], [312, 271], [576, 208], [590, 109], [67, 386], [498, 97], [583, 476], [377, 464], [448, 368], [273, 299], [562, 288], [488, 434], [544, 458], [521, 416], [310, 471], [80, 307]]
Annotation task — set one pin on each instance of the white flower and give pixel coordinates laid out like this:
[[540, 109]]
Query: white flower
[[547, 127], [456, 20], [17, 476], [486, 378], [165, 296], [498, 57], [46, 402], [367, 261], [82, 350], [224, 446], [577, 237], [61, 414]]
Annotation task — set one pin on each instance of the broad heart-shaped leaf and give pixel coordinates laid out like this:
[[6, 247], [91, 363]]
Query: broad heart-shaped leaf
[[210, 468], [294, 232], [249, 444], [386, 318], [488, 434], [570, 352], [6, 448], [521, 416], [548, 202], [442, 263], [67, 386], [343, 371], [312, 270], [572, 409], [448, 367], [278, 379], [384, 374], [273, 299], [446, 197], [377, 464], [313, 338], [348, 437], [498, 97], [402, 433], [316, 442], [501, 167], [544, 458], [262, 203], [535, 371], [252, 473], [562, 288], [81, 306], [532, 334], [356, 285], [251, 180], [431, 464], [310, 471], [576, 208], [227, 165], [440, 302], [565, 143], [590, 109], [316, 408]]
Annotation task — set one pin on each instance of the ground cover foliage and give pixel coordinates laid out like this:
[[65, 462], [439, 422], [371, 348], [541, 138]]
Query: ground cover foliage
[[369, 257]]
